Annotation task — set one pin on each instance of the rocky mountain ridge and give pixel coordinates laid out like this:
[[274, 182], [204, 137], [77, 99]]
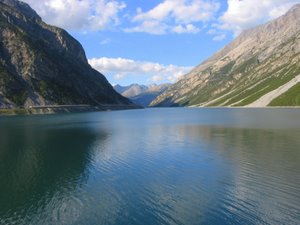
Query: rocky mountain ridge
[[258, 61], [141, 94], [43, 65]]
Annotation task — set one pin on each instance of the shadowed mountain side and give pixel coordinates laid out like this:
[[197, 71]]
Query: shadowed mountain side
[[43, 65]]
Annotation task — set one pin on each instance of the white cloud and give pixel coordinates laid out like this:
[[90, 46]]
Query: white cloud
[[184, 11], [177, 16], [189, 28], [219, 37], [156, 78], [78, 15], [242, 14], [105, 41], [150, 26], [121, 68], [212, 31]]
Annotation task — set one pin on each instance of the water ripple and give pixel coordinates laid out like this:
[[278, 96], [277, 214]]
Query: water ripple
[[158, 166]]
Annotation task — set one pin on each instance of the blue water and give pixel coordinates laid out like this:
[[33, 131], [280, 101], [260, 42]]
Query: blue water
[[152, 166]]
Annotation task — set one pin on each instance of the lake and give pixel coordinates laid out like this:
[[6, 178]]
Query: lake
[[152, 166]]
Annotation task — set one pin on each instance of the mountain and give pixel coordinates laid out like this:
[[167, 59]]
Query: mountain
[[141, 94], [131, 90], [43, 65], [260, 67]]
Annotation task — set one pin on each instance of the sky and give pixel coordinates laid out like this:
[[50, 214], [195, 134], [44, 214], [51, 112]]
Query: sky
[[157, 41]]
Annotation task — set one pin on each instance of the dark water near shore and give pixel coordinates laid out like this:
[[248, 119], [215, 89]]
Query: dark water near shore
[[154, 166]]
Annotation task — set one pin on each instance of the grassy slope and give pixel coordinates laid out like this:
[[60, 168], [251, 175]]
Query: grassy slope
[[257, 79], [289, 98], [247, 92], [13, 111]]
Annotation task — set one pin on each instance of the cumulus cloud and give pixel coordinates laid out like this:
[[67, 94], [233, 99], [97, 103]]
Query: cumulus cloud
[[177, 16], [181, 10], [149, 26], [156, 78], [78, 15], [121, 68], [243, 14]]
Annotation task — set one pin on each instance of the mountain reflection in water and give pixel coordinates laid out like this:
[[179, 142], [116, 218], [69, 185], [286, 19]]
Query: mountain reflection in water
[[156, 166]]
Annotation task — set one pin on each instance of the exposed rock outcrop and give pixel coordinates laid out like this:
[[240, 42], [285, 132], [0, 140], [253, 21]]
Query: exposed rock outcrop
[[43, 65], [257, 62]]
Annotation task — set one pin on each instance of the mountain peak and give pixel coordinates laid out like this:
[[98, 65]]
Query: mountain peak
[[21, 6], [257, 62], [44, 65], [294, 8]]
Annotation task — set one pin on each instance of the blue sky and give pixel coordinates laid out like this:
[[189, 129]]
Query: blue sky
[[157, 41]]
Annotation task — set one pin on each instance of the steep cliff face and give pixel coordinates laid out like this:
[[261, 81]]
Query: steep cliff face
[[44, 65], [259, 61]]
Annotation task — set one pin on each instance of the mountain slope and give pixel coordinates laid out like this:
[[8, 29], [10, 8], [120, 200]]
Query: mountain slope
[[44, 65], [141, 94], [259, 61], [131, 90]]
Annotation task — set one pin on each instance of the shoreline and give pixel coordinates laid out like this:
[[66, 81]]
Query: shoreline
[[47, 110], [245, 107], [56, 109]]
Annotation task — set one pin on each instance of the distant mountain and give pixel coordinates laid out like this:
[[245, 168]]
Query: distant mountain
[[259, 68], [131, 90], [43, 65], [141, 94]]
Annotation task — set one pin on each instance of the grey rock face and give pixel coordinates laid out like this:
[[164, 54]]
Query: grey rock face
[[44, 65], [255, 63]]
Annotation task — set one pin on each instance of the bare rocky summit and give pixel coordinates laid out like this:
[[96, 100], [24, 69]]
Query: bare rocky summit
[[259, 61], [43, 65]]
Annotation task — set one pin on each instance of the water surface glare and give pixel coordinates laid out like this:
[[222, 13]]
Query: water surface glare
[[152, 166]]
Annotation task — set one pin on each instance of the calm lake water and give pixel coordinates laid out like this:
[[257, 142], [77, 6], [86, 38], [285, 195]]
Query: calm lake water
[[152, 166]]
